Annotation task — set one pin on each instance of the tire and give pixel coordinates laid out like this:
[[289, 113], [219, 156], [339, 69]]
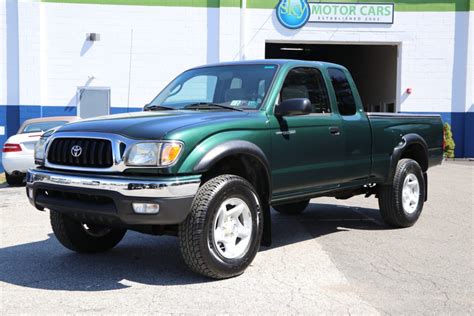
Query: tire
[[292, 208], [13, 179], [215, 239], [84, 238], [401, 202]]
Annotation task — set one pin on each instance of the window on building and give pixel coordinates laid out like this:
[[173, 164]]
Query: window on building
[[345, 100], [306, 82]]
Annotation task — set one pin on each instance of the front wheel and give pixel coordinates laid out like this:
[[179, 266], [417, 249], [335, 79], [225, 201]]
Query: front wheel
[[221, 235], [82, 237], [14, 179], [401, 202]]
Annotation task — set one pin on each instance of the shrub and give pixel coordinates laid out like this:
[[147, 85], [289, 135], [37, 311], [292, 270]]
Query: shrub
[[449, 144]]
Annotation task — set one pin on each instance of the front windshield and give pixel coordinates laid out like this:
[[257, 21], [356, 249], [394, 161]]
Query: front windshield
[[41, 126], [241, 86]]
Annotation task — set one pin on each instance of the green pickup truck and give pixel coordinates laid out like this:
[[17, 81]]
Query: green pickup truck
[[217, 148]]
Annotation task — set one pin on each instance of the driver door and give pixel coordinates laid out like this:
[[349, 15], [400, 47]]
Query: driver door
[[307, 150]]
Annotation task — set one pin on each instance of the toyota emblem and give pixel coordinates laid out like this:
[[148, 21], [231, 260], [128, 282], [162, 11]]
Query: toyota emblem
[[76, 151]]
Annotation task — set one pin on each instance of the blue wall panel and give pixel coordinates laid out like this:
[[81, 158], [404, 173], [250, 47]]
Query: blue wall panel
[[3, 122], [462, 128], [469, 135], [12, 116], [59, 111], [117, 110]]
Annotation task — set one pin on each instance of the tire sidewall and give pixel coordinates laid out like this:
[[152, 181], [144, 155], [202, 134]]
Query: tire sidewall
[[410, 167], [13, 180], [72, 235], [235, 188]]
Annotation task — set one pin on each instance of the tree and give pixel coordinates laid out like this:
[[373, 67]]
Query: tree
[[449, 144]]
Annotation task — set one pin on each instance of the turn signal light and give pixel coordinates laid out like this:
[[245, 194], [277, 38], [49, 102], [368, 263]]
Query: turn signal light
[[170, 152], [9, 148]]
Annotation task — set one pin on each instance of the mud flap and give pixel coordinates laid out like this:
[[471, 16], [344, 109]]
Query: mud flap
[[267, 227], [425, 176]]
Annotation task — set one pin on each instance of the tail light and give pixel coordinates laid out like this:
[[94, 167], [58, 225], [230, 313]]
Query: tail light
[[9, 148]]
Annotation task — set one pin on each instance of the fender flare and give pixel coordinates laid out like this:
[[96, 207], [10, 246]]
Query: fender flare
[[235, 147], [229, 148], [406, 141]]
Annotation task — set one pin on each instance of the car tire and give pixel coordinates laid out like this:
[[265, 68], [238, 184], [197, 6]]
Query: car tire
[[401, 202], [221, 235], [14, 179], [292, 208], [84, 238]]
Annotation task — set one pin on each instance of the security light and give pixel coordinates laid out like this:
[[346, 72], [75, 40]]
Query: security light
[[93, 37]]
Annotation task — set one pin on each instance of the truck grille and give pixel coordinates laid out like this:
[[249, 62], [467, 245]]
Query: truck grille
[[81, 152]]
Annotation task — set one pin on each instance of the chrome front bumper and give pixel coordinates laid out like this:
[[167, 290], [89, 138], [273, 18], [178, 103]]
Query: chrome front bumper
[[107, 199], [169, 187]]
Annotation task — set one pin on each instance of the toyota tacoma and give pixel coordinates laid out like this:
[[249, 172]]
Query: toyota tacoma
[[217, 148]]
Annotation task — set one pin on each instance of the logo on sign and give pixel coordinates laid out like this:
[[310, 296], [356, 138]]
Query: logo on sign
[[76, 151], [293, 14]]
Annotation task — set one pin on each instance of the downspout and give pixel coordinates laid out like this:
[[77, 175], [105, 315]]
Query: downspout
[[243, 11], [130, 70]]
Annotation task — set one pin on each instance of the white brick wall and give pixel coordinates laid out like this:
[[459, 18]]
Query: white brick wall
[[470, 66], [29, 37], [3, 54], [56, 59], [162, 47], [427, 52]]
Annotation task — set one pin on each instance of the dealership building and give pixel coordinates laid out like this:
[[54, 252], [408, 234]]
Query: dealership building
[[98, 57]]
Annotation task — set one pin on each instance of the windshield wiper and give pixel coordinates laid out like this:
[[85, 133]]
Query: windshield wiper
[[158, 107], [207, 105]]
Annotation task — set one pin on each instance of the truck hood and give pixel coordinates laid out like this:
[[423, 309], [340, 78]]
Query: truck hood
[[149, 125]]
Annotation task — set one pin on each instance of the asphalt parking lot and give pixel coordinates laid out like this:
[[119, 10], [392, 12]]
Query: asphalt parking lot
[[338, 257]]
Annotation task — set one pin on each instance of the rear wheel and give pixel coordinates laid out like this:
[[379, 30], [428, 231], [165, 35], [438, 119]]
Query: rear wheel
[[14, 179], [292, 208], [401, 202], [83, 237], [221, 235]]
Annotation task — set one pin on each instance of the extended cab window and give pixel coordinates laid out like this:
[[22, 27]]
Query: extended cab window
[[342, 89], [304, 82]]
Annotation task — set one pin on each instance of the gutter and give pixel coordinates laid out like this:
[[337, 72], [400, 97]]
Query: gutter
[[243, 11]]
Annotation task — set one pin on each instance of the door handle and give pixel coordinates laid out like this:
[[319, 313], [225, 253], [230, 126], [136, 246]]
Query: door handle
[[334, 131]]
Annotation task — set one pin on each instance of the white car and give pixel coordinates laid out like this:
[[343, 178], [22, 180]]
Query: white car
[[18, 150]]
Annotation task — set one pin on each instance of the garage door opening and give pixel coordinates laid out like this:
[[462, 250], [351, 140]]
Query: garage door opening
[[373, 67]]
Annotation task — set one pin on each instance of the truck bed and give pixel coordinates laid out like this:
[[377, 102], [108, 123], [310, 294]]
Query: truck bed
[[388, 130]]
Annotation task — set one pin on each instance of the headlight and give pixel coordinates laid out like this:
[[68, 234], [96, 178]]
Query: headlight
[[154, 154], [40, 147]]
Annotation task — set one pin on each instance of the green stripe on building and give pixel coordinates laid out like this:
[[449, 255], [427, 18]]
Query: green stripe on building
[[400, 5], [162, 3]]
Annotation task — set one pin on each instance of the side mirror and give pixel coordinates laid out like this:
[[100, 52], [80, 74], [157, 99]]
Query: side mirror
[[291, 107]]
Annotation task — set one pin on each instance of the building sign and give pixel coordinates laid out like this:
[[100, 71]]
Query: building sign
[[294, 14]]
